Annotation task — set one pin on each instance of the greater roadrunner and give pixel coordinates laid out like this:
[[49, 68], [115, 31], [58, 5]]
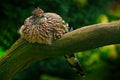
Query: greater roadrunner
[[45, 28]]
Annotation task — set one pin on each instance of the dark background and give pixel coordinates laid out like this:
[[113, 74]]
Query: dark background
[[99, 64]]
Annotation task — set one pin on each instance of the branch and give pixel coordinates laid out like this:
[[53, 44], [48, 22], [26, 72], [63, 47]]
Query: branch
[[23, 53], [89, 37]]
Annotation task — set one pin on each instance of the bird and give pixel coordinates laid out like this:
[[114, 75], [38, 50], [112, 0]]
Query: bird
[[43, 28], [46, 28]]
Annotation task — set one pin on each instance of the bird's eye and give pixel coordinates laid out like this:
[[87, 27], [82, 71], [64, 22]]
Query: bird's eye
[[44, 19]]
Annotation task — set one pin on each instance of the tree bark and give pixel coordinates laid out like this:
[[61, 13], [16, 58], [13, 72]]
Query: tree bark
[[23, 53]]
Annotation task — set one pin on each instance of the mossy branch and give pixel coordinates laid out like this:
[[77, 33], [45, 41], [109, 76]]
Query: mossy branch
[[23, 53]]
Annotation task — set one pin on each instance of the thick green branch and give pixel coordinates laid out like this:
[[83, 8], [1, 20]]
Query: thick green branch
[[89, 37], [85, 38]]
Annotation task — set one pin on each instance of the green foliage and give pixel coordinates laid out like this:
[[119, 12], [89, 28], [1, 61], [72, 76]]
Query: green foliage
[[47, 77], [99, 64], [1, 51], [57, 66]]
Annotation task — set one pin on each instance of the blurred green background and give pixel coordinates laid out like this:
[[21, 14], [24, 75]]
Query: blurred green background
[[99, 64]]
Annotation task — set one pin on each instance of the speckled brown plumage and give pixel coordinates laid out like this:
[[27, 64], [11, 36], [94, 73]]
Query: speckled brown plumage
[[43, 27]]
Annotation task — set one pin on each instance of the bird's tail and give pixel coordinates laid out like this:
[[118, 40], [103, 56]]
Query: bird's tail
[[75, 64]]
